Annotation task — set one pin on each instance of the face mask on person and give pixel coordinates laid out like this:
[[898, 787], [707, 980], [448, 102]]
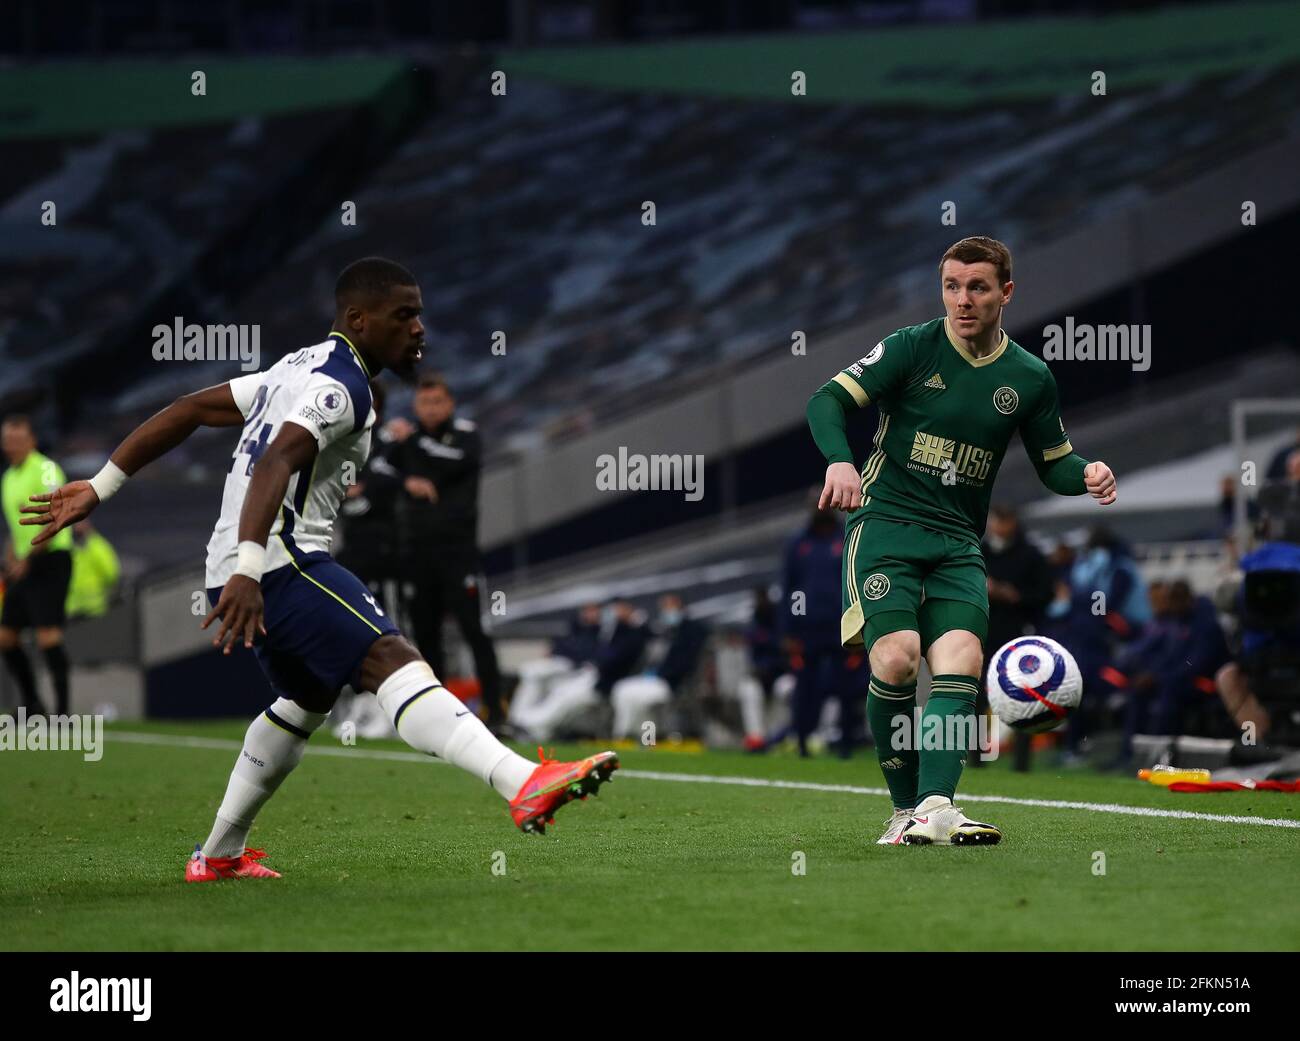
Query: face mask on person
[[670, 617], [997, 543]]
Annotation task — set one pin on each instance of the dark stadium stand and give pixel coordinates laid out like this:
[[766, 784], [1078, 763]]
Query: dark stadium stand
[[522, 214]]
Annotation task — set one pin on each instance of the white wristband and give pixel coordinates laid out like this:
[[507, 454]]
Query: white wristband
[[252, 560], [108, 480]]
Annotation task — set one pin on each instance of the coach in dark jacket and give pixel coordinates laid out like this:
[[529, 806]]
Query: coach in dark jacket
[[1021, 585], [439, 461], [371, 547], [1019, 579]]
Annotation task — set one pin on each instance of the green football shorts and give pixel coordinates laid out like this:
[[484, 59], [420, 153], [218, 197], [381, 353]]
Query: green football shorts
[[902, 576]]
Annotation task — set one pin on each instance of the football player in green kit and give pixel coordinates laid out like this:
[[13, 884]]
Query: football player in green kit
[[950, 392]]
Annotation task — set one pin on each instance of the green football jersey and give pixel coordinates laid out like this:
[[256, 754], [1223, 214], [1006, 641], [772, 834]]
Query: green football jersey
[[946, 418]]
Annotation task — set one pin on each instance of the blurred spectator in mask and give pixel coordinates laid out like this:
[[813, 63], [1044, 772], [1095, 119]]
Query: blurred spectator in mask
[[674, 657], [568, 654], [1103, 605], [620, 645]]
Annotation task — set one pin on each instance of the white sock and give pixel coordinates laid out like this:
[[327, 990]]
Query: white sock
[[273, 746], [431, 719]]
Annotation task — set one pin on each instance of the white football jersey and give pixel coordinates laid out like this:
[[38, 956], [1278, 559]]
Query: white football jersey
[[326, 390]]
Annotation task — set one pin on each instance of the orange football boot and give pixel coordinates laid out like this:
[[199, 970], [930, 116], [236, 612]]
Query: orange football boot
[[553, 784], [213, 869]]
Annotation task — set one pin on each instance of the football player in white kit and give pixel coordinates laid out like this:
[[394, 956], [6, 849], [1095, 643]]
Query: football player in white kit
[[314, 626]]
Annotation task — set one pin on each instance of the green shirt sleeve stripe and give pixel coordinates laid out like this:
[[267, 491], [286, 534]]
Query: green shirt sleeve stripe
[[848, 383]]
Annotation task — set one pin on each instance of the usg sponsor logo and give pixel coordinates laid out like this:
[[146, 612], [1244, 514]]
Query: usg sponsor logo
[[936, 454], [637, 472], [92, 994]]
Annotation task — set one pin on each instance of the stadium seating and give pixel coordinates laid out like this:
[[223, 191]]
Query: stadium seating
[[522, 214]]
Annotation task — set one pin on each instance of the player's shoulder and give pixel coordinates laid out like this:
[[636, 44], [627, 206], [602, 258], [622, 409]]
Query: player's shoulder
[[1033, 367], [899, 347], [916, 341], [335, 361], [923, 333]]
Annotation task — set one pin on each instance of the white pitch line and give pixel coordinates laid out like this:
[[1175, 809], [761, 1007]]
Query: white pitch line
[[225, 744]]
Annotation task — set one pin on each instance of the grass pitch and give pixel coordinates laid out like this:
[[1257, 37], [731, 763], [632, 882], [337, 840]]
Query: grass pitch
[[404, 853]]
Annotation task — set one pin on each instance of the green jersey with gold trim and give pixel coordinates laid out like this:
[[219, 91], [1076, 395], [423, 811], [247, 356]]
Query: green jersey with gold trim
[[946, 418]]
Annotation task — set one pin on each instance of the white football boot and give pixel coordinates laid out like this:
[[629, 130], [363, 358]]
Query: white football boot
[[937, 822], [894, 827]]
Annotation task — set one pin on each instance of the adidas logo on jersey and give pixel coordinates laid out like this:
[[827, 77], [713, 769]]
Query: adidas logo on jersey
[[935, 382]]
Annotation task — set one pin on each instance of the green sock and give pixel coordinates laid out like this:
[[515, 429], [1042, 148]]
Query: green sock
[[885, 701], [947, 733]]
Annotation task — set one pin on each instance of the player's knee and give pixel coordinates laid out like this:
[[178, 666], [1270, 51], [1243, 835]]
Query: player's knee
[[896, 657], [957, 652], [386, 656], [8, 639], [322, 702]]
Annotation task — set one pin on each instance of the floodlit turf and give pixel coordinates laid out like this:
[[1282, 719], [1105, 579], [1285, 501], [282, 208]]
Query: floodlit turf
[[400, 855]]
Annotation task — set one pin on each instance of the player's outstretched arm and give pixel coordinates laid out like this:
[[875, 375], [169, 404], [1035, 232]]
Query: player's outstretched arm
[[157, 435], [240, 606], [842, 489]]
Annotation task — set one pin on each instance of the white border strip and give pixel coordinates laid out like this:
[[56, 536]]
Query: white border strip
[[225, 744]]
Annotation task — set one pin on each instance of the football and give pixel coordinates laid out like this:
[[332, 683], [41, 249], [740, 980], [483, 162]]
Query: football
[[1033, 684]]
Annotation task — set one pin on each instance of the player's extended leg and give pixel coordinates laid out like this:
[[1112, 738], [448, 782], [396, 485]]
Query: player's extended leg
[[431, 719], [884, 565], [894, 656], [948, 727], [273, 745], [955, 659]]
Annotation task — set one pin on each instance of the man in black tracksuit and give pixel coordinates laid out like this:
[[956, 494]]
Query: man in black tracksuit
[[372, 549], [440, 462], [1020, 588]]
